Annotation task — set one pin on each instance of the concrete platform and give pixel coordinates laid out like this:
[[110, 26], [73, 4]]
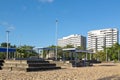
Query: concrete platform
[[28, 65]]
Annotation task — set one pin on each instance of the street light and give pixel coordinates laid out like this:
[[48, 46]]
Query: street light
[[106, 55], [118, 55], [7, 56], [106, 49], [56, 38], [105, 46]]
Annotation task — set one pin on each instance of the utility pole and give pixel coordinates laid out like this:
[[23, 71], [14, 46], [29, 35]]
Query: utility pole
[[7, 56], [56, 39], [106, 55], [118, 55]]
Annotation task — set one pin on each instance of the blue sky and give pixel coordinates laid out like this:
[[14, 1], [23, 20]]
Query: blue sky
[[32, 22]]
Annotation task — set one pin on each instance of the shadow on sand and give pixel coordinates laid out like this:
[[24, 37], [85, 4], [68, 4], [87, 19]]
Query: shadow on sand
[[114, 77], [107, 65]]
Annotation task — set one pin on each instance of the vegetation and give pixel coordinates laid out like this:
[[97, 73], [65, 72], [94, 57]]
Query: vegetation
[[3, 54], [25, 51], [53, 48], [109, 54], [21, 51], [65, 54]]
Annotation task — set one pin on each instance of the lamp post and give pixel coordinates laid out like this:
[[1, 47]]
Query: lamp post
[[118, 55], [7, 56], [106, 55], [56, 39], [105, 48]]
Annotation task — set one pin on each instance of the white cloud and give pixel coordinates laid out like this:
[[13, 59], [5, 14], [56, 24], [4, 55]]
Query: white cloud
[[46, 1], [4, 24], [11, 28], [8, 26]]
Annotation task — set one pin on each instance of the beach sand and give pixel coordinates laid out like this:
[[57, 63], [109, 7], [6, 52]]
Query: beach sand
[[104, 71]]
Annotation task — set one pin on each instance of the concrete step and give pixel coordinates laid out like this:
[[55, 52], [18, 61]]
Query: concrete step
[[28, 65], [25, 61], [30, 68], [43, 68]]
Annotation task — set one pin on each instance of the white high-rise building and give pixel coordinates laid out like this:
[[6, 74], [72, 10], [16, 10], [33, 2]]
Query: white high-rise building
[[75, 40], [97, 39]]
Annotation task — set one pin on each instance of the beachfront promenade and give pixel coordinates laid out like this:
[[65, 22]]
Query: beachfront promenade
[[103, 71]]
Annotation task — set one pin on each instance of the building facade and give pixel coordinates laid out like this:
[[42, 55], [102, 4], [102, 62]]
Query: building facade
[[97, 39], [75, 40]]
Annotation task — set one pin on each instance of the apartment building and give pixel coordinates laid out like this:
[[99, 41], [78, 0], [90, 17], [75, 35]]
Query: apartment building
[[97, 39], [75, 40]]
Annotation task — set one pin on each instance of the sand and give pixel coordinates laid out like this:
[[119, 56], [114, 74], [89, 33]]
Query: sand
[[104, 71]]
